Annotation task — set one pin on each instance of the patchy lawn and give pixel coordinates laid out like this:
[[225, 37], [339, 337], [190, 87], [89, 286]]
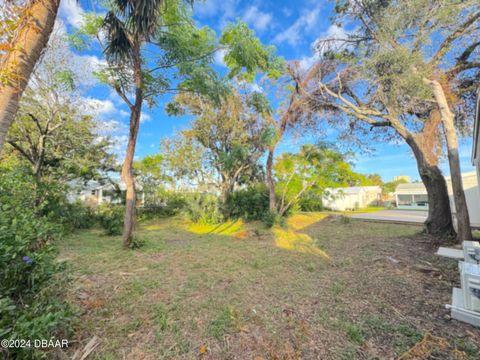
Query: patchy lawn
[[321, 287]]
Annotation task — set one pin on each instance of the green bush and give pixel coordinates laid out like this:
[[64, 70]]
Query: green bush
[[251, 203], [79, 216], [310, 201], [203, 208], [167, 203], [111, 218], [32, 282]]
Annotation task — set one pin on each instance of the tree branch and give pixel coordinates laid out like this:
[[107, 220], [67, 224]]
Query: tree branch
[[459, 31]]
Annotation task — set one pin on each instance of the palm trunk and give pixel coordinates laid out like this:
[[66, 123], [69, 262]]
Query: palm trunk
[[127, 168], [439, 220], [17, 65], [270, 182], [464, 231], [128, 179]]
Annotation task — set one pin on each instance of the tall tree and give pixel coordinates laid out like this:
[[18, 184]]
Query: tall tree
[[231, 133], [281, 117], [185, 163], [153, 48], [381, 73], [313, 169], [22, 43], [54, 129]]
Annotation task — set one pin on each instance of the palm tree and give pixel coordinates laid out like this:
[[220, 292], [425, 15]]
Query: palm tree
[[23, 50], [129, 25]]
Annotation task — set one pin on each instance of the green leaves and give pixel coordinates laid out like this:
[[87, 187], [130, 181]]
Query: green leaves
[[246, 55], [80, 39], [65, 77]]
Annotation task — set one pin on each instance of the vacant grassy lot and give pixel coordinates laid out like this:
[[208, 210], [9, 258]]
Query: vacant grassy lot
[[318, 288]]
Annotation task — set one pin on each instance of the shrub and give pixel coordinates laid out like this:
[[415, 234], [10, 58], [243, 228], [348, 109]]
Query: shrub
[[203, 208], [32, 302], [271, 218], [167, 203], [111, 218], [251, 203], [310, 201], [79, 216]]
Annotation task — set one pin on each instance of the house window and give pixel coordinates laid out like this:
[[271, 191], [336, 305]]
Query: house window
[[421, 200], [94, 192], [405, 199]]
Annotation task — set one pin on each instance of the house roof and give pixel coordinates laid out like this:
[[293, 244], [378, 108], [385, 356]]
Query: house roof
[[352, 189], [414, 185], [411, 188], [97, 185]]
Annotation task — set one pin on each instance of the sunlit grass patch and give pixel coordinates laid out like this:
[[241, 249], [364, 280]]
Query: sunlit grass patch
[[301, 221], [229, 228], [291, 240]]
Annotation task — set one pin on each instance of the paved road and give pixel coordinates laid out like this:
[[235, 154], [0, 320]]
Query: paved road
[[407, 216]]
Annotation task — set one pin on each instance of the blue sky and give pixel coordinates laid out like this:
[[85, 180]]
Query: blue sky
[[291, 26]]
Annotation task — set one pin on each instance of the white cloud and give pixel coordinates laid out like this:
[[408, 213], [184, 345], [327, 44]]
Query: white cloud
[[334, 35], [219, 57], [71, 12], [304, 24], [144, 117], [258, 19], [331, 39], [255, 88], [100, 107], [224, 10]]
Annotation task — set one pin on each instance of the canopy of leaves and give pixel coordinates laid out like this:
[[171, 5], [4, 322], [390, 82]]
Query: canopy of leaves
[[312, 169], [231, 134], [54, 130], [246, 55]]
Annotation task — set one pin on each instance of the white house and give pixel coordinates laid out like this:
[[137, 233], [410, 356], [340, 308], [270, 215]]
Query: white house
[[472, 195], [410, 196], [475, 216], [476, 138], [93, 193], [351, 198], [413, 196]]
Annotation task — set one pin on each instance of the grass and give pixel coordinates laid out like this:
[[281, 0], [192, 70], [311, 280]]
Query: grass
[[314, 288]]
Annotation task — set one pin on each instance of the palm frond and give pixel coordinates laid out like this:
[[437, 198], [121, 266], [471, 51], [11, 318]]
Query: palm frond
[[119, 47]]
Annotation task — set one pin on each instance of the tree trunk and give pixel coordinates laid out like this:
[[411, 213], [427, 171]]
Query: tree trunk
[[127, 168], [439, 220], [270, 182], [17, 65], [128, 179], [464, 231]]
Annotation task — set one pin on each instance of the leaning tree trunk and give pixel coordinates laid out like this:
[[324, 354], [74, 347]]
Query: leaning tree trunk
[[127, 168], [27, 44], [439, 220], [270, 182], [464, 231]]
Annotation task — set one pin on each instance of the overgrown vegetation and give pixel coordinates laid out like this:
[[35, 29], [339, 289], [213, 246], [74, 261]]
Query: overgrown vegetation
[[211, 279], [32, 281]]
